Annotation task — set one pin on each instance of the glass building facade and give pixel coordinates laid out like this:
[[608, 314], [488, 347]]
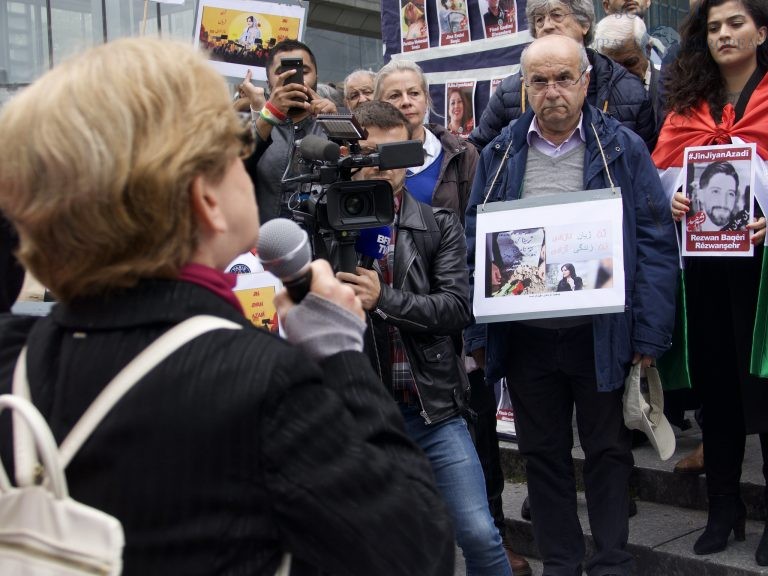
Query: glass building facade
[[35, 35]]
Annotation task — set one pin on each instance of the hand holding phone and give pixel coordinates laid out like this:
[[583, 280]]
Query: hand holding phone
[[297, 77], [292, 64]]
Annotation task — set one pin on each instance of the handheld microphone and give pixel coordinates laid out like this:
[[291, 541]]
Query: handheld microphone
[[284, 251], [319, 149], [372, 244]]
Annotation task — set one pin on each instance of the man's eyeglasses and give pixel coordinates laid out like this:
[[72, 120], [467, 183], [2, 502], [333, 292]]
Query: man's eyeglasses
[[556, 16], [355, 96], [539, 87]]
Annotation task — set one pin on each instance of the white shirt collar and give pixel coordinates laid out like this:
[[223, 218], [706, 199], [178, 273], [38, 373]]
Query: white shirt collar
[[537, 139], [432, 149]]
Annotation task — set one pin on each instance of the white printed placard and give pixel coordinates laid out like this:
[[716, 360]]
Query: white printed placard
[[499, 17], [256, 294], [414, 32], [454, 21], [549, 257], [719, 181], [460, 107], [238, 34]]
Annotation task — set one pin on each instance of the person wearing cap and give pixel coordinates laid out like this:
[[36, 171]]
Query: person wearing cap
[[554, 365]]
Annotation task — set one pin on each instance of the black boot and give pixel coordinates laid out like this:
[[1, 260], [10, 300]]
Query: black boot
[[761, 554], [726, 513]]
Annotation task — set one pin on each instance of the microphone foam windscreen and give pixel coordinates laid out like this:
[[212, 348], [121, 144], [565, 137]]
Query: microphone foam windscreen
[[284, 248]]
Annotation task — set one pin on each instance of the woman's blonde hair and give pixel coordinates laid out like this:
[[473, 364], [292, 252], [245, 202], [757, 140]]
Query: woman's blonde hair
[[97, 158], [394, 67]]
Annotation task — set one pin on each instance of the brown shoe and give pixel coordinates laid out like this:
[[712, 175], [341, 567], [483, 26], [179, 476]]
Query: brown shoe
[[519, 564], [693, 463]]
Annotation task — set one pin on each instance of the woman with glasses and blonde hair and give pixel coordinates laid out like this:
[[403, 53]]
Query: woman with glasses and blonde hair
[[612, 88], [240, 446], [717, 93]]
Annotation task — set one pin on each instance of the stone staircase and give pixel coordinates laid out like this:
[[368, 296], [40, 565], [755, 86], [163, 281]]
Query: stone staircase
[[671, 513]]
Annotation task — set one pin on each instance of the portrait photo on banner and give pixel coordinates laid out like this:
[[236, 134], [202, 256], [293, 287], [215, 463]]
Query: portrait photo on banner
[[453, 18], [414, 33], [719, 181], [499, 17], [536, 258], [460, 107], [239, 34]]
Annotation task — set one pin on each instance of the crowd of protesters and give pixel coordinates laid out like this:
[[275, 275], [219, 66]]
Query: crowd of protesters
[[602, 104]]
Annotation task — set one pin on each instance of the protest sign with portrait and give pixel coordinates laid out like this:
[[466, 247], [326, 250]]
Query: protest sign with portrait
[[550, 256], [719, 181], [238, 34]]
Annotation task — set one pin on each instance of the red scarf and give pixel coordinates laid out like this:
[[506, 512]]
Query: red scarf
[[699, 129], [220, 283]]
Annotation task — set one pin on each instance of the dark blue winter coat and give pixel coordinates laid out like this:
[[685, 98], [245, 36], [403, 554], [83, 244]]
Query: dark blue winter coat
[[650, 247]]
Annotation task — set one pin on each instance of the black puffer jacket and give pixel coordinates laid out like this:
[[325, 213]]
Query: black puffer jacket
[[611, 89], [429, 304]]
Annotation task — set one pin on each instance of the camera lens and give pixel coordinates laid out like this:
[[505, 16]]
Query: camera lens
[[354, 205]]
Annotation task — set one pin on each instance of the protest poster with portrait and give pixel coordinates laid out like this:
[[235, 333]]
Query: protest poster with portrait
[[414, 29], [499, 17], [237, 35], [719, 181], [550, 256], [454, 21], [460, 107]]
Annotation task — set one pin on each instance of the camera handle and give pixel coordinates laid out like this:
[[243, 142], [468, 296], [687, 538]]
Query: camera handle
[[342, 253]]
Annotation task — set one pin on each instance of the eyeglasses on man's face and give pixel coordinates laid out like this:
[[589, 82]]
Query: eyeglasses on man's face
[[355, 95], [537, 87], [556, 16]]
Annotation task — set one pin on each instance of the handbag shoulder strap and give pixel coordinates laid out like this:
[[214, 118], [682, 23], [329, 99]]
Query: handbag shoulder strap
[[134, 371]]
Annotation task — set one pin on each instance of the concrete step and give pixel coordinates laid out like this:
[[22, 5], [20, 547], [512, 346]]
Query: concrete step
[[661, 538], [654, 481]]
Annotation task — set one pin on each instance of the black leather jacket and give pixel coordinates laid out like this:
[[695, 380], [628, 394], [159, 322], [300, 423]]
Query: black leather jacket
[[429, 304]]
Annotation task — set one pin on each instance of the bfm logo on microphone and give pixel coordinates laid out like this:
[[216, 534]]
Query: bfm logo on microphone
[[383, 242]]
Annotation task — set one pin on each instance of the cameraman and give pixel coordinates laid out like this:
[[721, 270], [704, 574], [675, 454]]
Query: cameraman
[[417, 298], [287, 116]]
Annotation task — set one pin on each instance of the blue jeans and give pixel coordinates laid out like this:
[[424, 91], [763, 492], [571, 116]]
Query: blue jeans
[[459, 476]]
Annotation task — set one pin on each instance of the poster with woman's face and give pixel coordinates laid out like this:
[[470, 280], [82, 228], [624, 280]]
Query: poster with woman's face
[[413, 24], [459, 107], [454, 21], [499, 17]]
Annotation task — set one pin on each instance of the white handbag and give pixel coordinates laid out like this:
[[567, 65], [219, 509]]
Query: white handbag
[[44, 532]]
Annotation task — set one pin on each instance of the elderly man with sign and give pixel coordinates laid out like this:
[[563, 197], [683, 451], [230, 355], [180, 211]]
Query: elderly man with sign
[[555, 363]]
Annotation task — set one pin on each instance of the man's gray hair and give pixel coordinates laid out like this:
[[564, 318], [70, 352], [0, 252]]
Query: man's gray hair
[[395, 66], [583, 56], [359, 72], [615, 29], [583, 12]]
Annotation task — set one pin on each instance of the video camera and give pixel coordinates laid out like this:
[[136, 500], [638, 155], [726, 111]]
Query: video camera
[[333, 208]]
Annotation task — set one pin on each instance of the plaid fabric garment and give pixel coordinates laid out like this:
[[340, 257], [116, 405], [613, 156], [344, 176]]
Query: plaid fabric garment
[[403, 385]]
